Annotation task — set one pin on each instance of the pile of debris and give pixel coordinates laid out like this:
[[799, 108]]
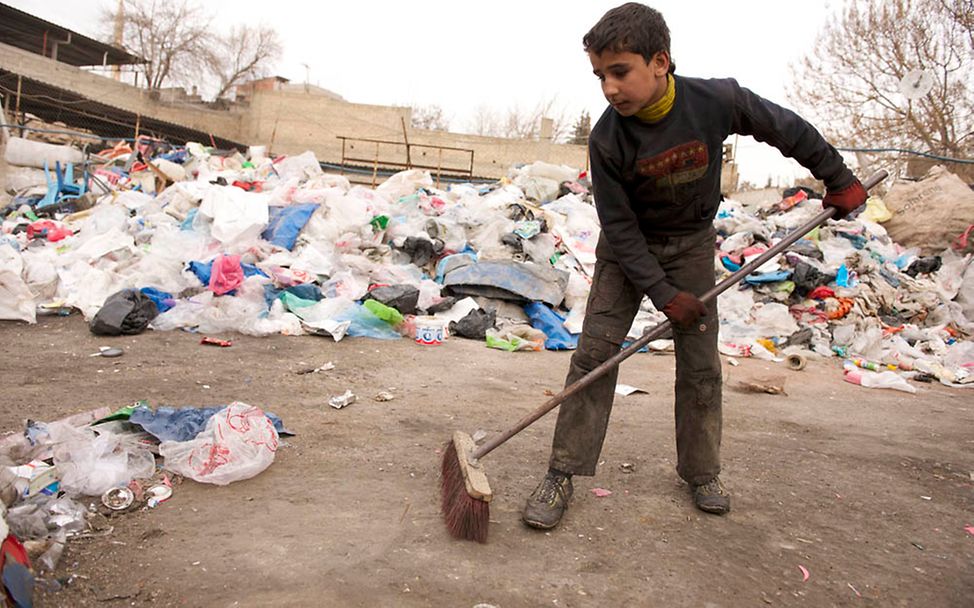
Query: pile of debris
[[77, 474], [194, 238]]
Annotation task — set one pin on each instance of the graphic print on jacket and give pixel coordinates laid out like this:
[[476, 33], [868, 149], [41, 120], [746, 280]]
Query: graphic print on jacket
[[680, 165]]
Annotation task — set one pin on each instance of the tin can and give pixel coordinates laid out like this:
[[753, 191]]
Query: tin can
[[118, 499]]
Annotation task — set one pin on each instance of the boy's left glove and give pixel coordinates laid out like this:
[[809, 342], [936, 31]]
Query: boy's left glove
[[684, 309], [846, 200]]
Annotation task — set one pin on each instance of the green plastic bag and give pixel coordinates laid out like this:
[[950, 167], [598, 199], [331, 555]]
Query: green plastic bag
[[389, 315]]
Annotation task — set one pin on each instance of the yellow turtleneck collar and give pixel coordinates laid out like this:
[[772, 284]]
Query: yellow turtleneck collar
[[656, 112]]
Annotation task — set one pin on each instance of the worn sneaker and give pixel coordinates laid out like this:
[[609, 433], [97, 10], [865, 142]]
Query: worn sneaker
[[712, 497], [548, 502]]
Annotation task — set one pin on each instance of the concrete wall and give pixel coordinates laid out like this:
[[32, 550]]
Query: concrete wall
[[292, 122]]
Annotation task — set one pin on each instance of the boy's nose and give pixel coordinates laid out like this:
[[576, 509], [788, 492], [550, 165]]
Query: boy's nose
[[609, 89]]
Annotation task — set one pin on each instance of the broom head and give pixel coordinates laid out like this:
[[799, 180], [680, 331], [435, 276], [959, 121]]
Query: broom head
[[466, 494]]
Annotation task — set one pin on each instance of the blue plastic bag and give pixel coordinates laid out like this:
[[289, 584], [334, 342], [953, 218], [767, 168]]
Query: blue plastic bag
[[758, 278], [164, 300], [365, 324], [286, 224], [553, 326], [184, 423]]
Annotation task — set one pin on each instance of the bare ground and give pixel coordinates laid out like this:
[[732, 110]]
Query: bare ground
[[831, 477]]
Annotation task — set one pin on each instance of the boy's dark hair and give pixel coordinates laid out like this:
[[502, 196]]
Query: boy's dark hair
[[633, 28]]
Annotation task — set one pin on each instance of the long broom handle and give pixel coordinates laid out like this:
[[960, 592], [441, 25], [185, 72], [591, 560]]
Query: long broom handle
[[661, 328]]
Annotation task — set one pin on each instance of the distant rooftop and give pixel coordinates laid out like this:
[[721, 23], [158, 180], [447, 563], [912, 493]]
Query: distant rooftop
[[30, 33]]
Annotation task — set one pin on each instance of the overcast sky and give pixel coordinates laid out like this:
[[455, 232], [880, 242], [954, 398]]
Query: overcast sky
[[500, 54]]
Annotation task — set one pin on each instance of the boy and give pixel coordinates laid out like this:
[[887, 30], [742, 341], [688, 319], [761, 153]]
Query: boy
[[656, 157]]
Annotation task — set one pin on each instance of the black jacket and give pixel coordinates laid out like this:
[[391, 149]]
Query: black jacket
[[664, 178]]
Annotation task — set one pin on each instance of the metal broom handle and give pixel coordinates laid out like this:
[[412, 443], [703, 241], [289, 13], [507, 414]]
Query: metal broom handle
[[658, 330]]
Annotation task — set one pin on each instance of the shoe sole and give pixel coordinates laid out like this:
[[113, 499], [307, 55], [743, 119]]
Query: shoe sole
[[539, 525], [714, 510]]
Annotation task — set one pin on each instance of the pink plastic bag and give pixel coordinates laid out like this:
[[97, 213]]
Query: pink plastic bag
[[226, 275]]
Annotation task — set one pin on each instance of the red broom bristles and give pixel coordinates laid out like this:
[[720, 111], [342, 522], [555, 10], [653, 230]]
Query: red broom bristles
[[466, 517]]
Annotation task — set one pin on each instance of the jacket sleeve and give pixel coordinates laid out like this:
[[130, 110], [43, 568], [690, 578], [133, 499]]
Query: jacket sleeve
[[621, 230], [790, 133]]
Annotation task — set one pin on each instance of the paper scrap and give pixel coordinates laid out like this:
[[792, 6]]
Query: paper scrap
[[625, 390], [805, 573], [601, 492], [970, 530], [854, 590]]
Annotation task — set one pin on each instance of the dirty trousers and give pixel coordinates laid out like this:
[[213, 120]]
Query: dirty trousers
[[612, 305]]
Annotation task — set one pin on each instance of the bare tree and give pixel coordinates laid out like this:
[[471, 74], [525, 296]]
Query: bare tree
[[246, 53], [484, 122], [962, 11], [851, 81], [173, 36], [430, 117], [518, 123], [581, 129]]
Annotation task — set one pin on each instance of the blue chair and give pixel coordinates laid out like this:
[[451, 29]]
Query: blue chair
[[62, 189]]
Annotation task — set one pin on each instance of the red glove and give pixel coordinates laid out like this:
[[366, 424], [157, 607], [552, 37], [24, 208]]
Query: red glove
[[846, 200], [684, 309]]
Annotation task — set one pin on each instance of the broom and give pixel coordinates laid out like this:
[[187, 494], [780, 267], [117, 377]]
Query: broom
[[465, 492]]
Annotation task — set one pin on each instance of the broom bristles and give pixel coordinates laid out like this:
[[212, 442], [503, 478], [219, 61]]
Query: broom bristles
[[466, 517]]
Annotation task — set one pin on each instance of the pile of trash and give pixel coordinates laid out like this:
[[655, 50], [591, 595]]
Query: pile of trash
[[203, 240], [53, 468], [187, 238]]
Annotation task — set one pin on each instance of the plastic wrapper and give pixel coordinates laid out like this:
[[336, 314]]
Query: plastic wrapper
[[238, 443]]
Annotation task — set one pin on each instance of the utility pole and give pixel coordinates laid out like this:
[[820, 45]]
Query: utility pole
[[119, 35]]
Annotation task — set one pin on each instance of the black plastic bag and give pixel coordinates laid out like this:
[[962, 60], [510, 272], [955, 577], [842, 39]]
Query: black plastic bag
[[126, 312]]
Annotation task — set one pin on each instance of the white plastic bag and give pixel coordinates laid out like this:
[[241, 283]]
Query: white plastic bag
[[238, 443], [237, 215], [90, 464], [16, 300]]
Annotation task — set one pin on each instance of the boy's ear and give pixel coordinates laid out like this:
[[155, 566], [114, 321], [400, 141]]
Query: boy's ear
[[660, 63]]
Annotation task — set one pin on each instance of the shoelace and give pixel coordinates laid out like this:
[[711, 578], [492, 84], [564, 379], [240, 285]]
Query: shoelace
[[713, 487], [550, 487]]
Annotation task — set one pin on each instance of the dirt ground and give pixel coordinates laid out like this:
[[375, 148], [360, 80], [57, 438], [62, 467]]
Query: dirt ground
[[870, 491]]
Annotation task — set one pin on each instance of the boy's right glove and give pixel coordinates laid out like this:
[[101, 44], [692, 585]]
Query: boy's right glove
[[846, 200], [684, 309]]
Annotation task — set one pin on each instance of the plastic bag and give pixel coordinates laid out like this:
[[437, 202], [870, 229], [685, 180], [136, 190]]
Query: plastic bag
[[238, 443], [286, 224], [16, 300], [237, 215], [553, 326], [225, 274], [90, 464], [126, 312], [868, 379]]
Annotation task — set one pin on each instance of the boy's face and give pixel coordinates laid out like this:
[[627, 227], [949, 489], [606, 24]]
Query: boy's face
[[628, 82]]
